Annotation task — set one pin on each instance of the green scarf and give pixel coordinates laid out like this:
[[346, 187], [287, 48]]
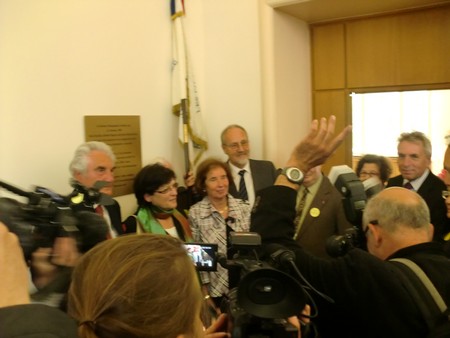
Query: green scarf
[[146, 217]]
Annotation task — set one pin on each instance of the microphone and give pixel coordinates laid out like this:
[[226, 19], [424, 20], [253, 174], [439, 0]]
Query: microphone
[[181, 189], [280, 255], [230, 220], [90, 196]]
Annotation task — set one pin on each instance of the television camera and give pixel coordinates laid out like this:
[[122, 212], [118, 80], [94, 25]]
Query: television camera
[[265, 296], [47, 215]]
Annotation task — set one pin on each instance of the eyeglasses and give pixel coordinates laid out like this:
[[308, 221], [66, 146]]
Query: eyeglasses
[[235, 146], [168, 189], [371, 173], [445, 194]]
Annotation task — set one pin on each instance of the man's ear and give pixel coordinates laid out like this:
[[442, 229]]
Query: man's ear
[[377, 234], [224, 148], [77, 175], [431, 232]]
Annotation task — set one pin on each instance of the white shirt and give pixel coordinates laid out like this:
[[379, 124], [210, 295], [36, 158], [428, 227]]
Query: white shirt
[[418, 181], [112, 232], [247, 178]]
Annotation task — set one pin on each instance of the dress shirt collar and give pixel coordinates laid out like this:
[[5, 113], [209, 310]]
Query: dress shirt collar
[[418, 181], [235, 170]]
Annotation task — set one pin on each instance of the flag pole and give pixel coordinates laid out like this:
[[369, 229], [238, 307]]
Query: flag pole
[[183, 112]]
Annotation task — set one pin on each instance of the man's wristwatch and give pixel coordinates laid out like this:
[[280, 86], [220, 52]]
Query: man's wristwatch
[[293, 174]]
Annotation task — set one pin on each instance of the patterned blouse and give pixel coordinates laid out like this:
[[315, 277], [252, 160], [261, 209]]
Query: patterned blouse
[[208, 226]]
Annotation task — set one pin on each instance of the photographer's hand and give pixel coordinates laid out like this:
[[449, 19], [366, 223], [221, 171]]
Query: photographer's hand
[[13, 270], [315, 148], [45, 262], [218, 328]]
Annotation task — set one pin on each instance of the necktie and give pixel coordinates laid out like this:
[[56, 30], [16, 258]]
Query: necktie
[[408, 185], [242, 194], [299, 211], [99, 210]]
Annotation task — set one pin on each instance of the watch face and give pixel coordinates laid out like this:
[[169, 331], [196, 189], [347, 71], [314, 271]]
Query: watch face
[[295, 174]]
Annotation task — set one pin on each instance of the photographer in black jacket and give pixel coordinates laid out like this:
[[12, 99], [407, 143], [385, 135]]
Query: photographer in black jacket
[[369, 298], [19, 318]]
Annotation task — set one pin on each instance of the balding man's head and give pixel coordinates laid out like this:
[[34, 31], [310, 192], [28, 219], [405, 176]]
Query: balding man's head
[[397, 206], [396, 218]]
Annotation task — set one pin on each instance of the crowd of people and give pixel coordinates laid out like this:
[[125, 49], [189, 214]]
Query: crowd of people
[[138, 281]]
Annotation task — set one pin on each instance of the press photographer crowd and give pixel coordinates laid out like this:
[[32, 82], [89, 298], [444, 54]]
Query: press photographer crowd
[[368, 258]]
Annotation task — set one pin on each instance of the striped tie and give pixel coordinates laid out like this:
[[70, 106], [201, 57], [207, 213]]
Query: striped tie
[[299, 212], [242, 194]]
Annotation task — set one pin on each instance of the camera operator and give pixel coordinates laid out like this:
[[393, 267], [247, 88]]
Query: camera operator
[[369, 298], [19, 318]]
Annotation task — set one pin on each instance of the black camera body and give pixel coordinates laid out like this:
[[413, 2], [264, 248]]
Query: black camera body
[[47, 215], [339, 245], [264, 297]]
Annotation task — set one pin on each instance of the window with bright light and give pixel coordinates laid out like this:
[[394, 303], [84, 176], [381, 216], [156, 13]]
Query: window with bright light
[[379, 119]]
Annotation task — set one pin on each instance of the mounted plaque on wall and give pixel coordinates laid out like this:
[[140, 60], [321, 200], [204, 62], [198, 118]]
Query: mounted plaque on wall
[[123, 135]]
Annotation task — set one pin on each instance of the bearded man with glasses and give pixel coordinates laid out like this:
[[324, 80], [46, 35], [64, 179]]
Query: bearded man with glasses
[[249, 175]]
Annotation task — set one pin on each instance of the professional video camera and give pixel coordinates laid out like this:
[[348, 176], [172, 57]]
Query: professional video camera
[[265, 296], [48, 215]]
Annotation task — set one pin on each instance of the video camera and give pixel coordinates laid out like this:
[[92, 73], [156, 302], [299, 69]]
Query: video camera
[[48, 215], [265, 296]]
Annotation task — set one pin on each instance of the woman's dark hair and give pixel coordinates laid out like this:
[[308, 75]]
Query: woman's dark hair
[[382, 163], [204, 168], [149, 179]]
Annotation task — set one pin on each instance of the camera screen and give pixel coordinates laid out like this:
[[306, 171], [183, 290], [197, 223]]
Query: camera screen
[[203, 255]]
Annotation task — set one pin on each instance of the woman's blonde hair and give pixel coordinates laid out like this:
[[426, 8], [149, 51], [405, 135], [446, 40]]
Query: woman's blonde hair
[[135, 286]]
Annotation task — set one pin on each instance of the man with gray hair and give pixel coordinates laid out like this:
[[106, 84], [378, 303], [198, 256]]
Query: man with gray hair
[[414, 160], [249, 176], [93, 162]]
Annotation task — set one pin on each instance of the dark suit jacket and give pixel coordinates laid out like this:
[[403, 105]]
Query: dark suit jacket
[[431, 192], [315, 231], [113, 211], [263, 175]]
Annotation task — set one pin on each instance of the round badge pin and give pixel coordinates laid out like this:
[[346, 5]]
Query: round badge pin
[[314, 212]]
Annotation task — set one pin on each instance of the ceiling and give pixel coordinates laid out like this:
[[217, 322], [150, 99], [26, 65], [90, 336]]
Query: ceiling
[[314, 11]]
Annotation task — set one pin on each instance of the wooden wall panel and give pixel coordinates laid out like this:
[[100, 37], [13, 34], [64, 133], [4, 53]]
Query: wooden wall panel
[[328, 54], [402, 49], [335, 102]]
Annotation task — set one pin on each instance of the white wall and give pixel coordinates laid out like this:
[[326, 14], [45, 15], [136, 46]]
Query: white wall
[[61, 60]]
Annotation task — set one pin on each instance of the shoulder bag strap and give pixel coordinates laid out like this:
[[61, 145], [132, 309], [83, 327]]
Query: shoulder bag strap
[[419, 286]]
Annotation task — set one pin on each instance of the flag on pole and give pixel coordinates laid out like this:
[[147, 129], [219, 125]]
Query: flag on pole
[[185, 102]]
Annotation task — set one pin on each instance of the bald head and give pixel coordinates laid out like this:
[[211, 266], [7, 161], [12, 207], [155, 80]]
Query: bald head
[[396, 207], [396, 218]]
